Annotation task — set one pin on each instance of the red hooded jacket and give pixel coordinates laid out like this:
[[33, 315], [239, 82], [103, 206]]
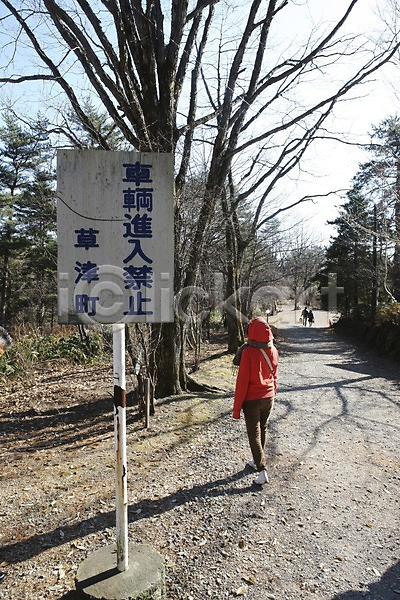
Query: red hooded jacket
[[255, 379]]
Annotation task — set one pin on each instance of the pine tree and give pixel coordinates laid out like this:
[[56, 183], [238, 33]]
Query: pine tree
[[350, 255], [27, 217], [385, 172]]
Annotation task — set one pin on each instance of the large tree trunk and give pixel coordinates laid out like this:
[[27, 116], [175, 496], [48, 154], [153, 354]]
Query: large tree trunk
[[356, 298], [234, 253], [233, 303], [167, 355], [232, 307]]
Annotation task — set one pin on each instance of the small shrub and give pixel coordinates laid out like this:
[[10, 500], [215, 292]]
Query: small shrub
[[31, 349], [389, 314]]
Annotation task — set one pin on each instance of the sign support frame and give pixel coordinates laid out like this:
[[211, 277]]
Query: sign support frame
[[121, 488]]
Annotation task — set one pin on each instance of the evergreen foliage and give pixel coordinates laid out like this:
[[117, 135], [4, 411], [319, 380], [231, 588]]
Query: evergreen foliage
[[365, 253], [27, 223], [349, 254]]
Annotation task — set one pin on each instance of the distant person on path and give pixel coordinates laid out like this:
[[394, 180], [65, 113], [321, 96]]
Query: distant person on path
[[5, 340], [255, 390], [304, 314], [310, 317]]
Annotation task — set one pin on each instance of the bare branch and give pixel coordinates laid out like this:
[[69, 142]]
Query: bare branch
[[23, 78], [187, 147], [187, 50], [76, 40], [361, 75], [56, 74], [297, 203], [201, 5], [299, 64]]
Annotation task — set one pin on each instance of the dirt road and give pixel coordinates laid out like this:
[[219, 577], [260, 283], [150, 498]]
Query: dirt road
[[335, 447], [325, 528]]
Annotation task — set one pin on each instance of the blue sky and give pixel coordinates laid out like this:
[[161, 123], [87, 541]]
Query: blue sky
[[331, 165]]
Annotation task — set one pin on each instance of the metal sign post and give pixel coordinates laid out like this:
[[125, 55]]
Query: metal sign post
[[115, 234], [121, 490]]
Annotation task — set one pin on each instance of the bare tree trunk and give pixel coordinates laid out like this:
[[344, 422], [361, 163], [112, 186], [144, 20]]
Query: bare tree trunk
[[396, 255], [375, 275], [232, 307], [5, 279], [167, 358], [233, 313], [356, 299]]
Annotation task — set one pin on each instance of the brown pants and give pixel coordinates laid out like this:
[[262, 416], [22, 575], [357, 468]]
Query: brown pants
[[256, 414]]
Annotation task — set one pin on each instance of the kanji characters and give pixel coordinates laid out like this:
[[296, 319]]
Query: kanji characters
[[86, 304], [87, 271], [140, 300], [137, 250], [135, 277], [136, 260], [137, 173], [138, 198], [86, 238], [138, 226]]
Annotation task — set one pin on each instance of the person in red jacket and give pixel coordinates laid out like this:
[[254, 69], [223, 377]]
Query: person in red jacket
[[255, 390]]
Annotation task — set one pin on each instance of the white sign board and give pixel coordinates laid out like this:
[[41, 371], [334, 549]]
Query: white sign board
[[115, 237]]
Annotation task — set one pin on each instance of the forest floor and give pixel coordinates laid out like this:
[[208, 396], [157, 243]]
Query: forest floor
[[326, 527]]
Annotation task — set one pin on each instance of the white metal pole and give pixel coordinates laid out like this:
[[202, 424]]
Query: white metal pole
[[147, 402], [120, 446]]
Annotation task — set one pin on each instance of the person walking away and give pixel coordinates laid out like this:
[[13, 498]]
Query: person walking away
[[304, 314], [255, 390], [310, 317]]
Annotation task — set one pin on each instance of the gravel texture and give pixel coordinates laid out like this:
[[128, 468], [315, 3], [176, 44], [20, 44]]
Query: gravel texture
[[326, 527]]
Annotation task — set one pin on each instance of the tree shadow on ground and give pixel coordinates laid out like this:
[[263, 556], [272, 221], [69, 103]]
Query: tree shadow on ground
[[73, 374], [34, 545], [312, 341], [184, 397], [354, 358], [64, 426], [387, 588], [73, 426], [357, 358], [343, 412], [373, 367], [216, 356]]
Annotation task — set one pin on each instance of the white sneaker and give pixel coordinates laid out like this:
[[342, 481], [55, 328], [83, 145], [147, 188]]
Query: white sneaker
[[261, 478], [252, 464]]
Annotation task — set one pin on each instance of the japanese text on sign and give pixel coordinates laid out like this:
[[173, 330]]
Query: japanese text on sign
[[115, 269]]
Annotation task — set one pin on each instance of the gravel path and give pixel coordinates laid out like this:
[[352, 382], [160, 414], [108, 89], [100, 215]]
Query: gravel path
[[326, 527]]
